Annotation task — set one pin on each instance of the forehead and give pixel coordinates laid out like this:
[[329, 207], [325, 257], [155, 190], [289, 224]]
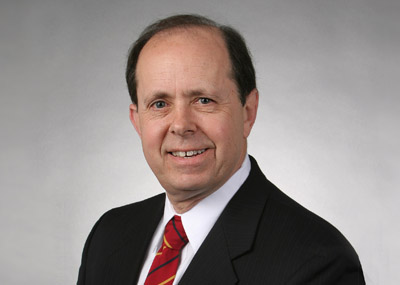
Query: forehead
[[204, 35], [185, 46], [197, 33]]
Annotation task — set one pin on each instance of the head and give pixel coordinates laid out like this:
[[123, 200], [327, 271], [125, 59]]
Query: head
[[242, 72], [189, 113]]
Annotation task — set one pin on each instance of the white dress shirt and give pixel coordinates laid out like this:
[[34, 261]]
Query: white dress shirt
[[197, 222]]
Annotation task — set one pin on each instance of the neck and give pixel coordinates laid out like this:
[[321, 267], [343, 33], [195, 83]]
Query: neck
[[182, 206]]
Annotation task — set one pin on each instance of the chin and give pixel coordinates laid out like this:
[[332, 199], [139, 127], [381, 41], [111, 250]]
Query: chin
[[188, 187]]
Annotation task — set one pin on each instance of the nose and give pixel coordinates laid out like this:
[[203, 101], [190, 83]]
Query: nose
[[183, 122]]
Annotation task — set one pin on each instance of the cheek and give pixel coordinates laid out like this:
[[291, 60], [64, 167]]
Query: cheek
[[152, 136], [226, 134]]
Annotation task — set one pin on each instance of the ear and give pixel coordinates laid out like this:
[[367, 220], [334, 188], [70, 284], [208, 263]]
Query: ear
[[250, 111], [134, 117]]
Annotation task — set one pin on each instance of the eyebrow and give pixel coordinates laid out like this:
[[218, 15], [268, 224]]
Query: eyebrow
[[197, 92], [155, 96]]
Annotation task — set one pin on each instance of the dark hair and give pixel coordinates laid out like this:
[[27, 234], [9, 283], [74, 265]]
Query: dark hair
[[242, 66]]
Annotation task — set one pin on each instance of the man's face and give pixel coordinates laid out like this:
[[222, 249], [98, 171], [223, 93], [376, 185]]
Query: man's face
[[189, 116]]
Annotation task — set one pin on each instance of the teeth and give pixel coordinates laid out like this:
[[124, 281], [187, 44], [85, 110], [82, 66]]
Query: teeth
[[189, 153]]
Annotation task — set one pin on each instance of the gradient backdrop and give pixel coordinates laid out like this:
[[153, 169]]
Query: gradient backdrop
[[327, 132]]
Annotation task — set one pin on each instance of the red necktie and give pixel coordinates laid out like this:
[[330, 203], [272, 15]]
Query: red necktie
[[165, 264]]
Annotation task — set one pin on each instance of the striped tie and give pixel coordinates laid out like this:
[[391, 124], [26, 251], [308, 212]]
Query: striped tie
[[165, 264]]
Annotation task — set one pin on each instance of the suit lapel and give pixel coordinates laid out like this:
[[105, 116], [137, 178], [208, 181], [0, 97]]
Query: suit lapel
[[212, 263], [232, 235], [125, 263]]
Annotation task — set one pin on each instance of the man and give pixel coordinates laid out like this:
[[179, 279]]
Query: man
[[194, 102]]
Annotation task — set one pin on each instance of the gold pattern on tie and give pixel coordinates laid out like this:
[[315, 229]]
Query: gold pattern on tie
[[166, 261]]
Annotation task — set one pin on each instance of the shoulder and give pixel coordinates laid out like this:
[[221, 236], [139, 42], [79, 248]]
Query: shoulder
[[301, 223], [309, 247], [127, 216], [117, 231], [125, 213], [287, 216], [317, 252], [120, 224]]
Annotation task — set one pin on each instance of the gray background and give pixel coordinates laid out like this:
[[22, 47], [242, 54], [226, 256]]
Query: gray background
[[326, 133]]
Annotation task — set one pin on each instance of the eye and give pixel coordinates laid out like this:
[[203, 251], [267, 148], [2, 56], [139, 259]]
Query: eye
[[204, 100], [159, 104]]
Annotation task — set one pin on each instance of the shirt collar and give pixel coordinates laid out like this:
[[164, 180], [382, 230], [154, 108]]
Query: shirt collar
[[199, 220]]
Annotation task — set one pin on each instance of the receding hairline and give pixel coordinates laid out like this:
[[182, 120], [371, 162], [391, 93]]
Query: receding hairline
[[190, 31]]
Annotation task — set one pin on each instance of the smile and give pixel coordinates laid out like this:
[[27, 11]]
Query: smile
[[189, 153]]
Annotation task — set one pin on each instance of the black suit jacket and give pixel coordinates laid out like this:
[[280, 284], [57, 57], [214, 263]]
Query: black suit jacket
[[262, 237]]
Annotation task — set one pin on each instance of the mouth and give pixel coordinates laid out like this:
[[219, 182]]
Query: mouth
[[187, 154]]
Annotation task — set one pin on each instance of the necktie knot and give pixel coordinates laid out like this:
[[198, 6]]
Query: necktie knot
[[174, 235]]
